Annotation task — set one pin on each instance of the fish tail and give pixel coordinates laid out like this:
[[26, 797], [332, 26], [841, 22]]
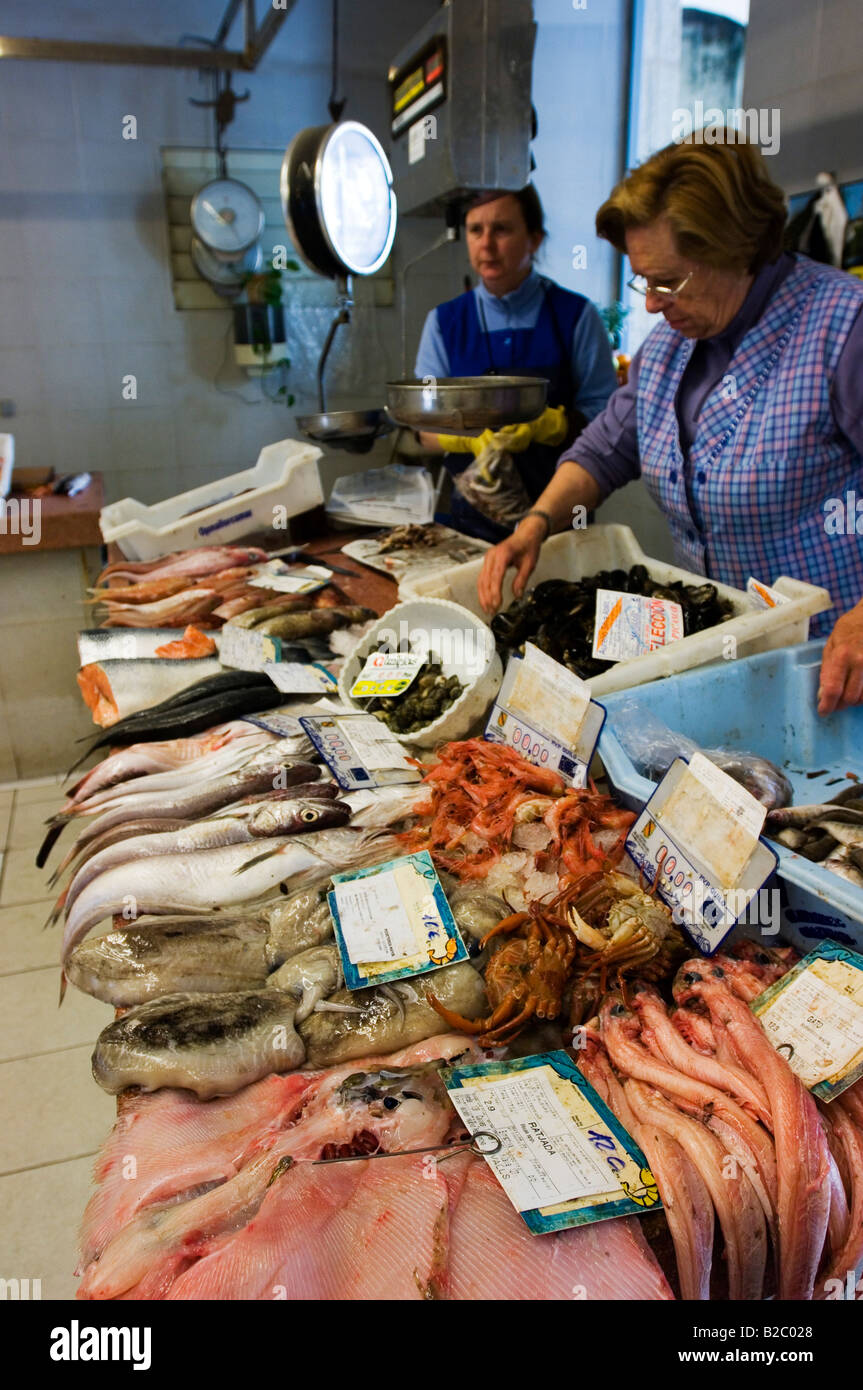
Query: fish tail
[[63, 984]]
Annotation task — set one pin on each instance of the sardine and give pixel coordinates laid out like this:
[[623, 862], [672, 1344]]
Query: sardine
[[125, 968], [382, 1026], [212, 1044]]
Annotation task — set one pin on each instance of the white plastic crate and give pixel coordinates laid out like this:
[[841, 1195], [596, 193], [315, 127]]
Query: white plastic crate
[[222, 511], [576, 554]]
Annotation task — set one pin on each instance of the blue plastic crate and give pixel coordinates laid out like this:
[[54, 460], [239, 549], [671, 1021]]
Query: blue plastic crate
[[763, 704]]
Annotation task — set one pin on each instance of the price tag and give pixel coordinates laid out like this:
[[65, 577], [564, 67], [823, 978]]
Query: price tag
[[285, 725], [392, 921], [545, 712], [762, 596], [360, 751], [564, 1158], [814, 1018], [698, 837], [278, 576], [301, 678], [247, 650], [629, 625], [387, 673]]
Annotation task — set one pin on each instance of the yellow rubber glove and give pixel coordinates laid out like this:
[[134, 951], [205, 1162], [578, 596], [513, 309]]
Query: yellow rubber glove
[[548, 428], [465, 443]]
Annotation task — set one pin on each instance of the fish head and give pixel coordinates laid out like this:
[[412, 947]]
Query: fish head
[[295, 816]]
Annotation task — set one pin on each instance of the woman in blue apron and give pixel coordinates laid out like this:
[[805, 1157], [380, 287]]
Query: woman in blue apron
[[516, 323]]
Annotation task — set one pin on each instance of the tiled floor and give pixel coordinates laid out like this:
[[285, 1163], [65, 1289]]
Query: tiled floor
[[53, 1116]]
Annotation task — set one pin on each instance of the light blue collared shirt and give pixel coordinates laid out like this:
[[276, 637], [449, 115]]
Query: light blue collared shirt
[[592, 365]]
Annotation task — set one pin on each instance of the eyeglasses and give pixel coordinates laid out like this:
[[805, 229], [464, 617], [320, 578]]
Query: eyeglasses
[[640, 285]]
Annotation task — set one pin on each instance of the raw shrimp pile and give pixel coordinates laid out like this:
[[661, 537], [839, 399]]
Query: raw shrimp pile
[[490, 814]]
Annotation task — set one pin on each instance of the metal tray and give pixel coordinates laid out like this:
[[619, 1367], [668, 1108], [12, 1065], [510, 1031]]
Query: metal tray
[[465, 404], [353, 430]]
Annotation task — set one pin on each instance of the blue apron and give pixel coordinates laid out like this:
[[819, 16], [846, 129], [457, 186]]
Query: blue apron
[[544, 350]]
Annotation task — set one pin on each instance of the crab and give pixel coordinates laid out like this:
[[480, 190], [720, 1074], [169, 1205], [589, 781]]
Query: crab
[[525, 978], [629, 927]]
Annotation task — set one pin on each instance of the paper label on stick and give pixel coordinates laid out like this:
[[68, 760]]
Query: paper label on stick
[[392, 921], [711, 812], [545, 712], [278, 576], [301, 678], [697, 838], [630, 625], [360, 751], [762, 596], [247, 650], [814, 1018], [564, 1159], [387, 674]]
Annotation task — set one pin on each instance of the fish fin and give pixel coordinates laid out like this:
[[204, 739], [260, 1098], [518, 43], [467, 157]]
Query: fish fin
[[55, 912], [258, 859], [47, 845], [63, 984]]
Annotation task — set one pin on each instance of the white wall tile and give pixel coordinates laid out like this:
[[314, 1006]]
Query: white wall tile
[[74, 376], [141, 440], [22, 378]]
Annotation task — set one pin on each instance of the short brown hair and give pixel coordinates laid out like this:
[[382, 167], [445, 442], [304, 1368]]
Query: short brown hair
[[527, 199], [724, 209]]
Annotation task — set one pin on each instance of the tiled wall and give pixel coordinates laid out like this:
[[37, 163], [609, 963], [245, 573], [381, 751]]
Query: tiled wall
[[85, 289]]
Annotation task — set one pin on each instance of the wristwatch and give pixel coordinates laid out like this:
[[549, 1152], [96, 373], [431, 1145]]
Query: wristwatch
[[537, 511]]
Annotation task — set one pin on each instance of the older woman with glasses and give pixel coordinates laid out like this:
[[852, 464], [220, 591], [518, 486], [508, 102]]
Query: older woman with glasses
[[743, 411]]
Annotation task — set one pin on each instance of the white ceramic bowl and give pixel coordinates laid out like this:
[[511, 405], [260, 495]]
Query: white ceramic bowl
[[462, 641]]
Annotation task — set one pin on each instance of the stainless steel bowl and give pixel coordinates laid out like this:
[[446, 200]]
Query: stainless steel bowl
[[353, 430], [465, 404]]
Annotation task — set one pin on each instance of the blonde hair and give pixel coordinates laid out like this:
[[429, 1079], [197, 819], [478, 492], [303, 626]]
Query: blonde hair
[[725, 210]]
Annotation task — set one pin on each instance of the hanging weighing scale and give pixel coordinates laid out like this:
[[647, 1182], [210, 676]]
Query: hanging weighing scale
[[340, 210]]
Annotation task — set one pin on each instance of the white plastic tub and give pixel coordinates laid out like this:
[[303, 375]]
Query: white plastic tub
[[576, 554], [466, 648], [285, 475]]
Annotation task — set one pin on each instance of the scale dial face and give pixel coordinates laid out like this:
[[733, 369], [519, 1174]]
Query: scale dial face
[[227, 217], [226, 277], [355, 198]]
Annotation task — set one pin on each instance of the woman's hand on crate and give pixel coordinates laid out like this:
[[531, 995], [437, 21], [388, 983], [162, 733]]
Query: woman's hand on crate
[[841, 683]]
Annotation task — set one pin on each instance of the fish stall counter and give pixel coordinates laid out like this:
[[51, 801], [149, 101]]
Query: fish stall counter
[[49, 555]]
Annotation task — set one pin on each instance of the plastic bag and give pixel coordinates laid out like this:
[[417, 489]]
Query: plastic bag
[[391, 496], [492, 484], [652, 747]]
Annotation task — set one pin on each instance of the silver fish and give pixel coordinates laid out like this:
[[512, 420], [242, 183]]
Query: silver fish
[[290, 816], [382, 1025], [205, 798], [125, 968], [845, 865], [801, 816], [208, 879], [212, 1044], [218, 763]]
